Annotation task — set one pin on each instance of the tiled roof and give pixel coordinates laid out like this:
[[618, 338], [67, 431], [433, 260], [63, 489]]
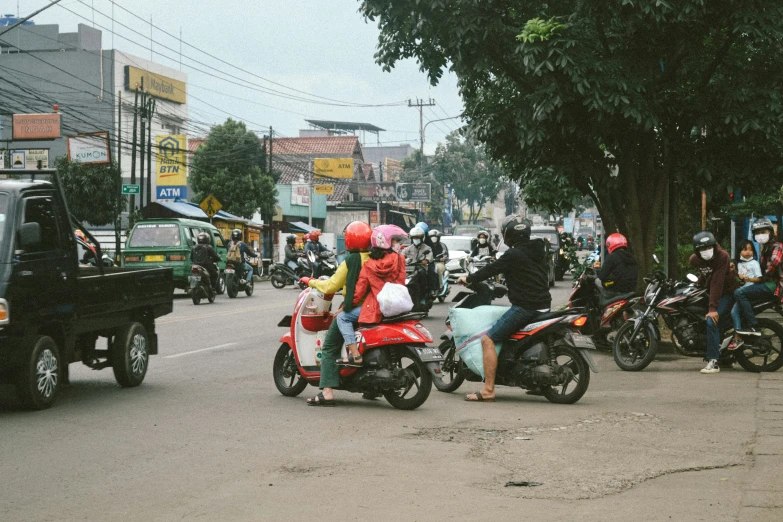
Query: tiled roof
[[368, 171], [347, 146], [194, 144]]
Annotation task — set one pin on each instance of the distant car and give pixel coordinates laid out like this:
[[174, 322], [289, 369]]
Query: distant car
[[467, 230], [553, 237], [459, 247]]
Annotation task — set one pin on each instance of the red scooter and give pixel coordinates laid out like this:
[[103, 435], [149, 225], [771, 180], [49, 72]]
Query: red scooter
[[397, 362]]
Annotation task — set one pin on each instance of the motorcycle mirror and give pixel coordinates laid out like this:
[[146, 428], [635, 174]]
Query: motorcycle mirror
[[655, 258], [692, 278]]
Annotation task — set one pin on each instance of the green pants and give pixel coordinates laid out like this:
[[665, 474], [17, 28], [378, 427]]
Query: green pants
[[333, 345]]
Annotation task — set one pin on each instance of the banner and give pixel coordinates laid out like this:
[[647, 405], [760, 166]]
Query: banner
[[300, 195], [172, 166], [36, 126], [334, 168], [377, 192], [414, 192], [92, 148]]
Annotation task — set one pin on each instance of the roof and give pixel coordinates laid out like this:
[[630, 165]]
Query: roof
[[195, 143], [183, 208], [334, 146], [344, 125], [304, 227]]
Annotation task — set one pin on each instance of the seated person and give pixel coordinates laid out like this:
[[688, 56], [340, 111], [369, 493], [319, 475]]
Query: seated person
[[618, 274], [483, 247], [205, 256], [291, 254]]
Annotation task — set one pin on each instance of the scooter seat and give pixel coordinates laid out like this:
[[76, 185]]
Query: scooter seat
[[410, 316], [605, 301]]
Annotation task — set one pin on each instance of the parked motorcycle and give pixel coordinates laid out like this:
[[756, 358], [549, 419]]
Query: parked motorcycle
[[417, 282], [397, 362], [683, 306], [234, 285], [604, 316], [201, 285], [548, 355]]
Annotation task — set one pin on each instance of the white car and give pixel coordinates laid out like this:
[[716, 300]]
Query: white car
[[459, 248]]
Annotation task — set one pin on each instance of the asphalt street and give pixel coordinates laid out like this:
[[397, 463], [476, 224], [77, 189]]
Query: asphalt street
[[207, 436]]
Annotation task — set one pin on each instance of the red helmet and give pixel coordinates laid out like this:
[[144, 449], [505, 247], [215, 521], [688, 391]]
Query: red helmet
[[615, 241], [314, 235], [357, 236]]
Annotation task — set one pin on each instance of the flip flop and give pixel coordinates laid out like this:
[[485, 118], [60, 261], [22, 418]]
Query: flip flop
[[479, 397], [320, 400], [351, 362]]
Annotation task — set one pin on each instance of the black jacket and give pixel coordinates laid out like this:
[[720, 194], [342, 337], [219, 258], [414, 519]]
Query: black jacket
[[619, 272], [204, 255], [527, 274]]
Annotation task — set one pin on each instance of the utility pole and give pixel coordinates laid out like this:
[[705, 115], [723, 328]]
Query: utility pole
[[143, 140], [133, 149], [271, 139], [150, 113], [310, 192], [118, 219], [421, 104]]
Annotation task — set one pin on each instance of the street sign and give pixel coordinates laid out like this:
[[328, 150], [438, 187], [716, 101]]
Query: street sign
[[18, 160], [32, 158], [210, 205], [324, 189], [131, 189], [414, 192]]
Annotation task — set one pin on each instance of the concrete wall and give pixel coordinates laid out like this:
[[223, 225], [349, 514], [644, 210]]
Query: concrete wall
[[337, 220]]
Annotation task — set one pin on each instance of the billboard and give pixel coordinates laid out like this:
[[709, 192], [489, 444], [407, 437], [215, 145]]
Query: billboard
[[89, 148], [156, 84], [171, 160], [414, 192], [377, 192], [334, 168], [300, 195], [36, 126]]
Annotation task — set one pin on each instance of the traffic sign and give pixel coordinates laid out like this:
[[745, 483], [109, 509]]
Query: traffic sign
[[131, 189], [327, 189], [210, 206]]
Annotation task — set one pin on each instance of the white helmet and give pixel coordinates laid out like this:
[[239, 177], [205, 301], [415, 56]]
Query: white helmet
[[434, 233], [416, 232]]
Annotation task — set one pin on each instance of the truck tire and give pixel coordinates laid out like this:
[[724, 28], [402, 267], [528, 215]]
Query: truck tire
[[39, 377], [130, 355]]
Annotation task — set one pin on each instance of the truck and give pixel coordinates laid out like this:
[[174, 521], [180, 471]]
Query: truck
[[53, 309]]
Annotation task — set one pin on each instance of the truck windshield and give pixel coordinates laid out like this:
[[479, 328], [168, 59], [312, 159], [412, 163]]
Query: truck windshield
[[155, 235]]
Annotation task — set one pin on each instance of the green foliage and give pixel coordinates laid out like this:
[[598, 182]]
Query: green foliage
[[758, 205], [539, 29], [683, 258], [231, 165], [92, 191]]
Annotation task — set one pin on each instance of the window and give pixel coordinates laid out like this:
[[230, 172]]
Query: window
[[218, 240], [155, 235], [42, 211]]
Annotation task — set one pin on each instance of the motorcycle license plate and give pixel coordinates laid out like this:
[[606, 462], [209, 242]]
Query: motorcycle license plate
[[195, 279], [427, 354], [582, 341], [229, 270]]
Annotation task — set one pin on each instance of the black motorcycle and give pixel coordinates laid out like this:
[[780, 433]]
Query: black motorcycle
[[234, 285], [683, 306], [327, 262], [201, 286], [548, 356], [282, 274]]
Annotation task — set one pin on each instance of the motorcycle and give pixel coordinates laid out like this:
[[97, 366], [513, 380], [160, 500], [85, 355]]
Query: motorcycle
[[328, 264], [604, 316], [201, 285], [445, 288], [234, 285], [397, 362], [416, 280], [282, 274], [683, 306], [547, 356]]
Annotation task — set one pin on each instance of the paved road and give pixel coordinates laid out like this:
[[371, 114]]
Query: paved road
[[208, 437]]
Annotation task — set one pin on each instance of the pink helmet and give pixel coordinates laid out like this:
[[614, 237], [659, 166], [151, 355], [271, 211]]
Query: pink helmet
[[383, 235]]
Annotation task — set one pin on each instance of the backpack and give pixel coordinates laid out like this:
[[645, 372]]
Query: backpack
[[234, 255]]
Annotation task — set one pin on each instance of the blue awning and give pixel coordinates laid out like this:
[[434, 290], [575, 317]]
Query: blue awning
[[298, 226], [184, 208]]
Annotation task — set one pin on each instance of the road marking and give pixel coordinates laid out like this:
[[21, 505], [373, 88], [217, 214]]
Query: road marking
[[217, 314], [218, 347]]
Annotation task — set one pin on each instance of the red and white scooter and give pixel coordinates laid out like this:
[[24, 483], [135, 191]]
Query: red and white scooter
[[397, 362]]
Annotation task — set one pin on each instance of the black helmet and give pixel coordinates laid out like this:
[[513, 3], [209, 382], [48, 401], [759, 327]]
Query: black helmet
[[290, 239], [703, 240], [515, 230], [761, 224], [203, 238], [236, 234]]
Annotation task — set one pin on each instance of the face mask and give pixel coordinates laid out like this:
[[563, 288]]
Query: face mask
[[397, 247], [762, 239], [746, 258], [707, 254], [435, 239], [417, 242], [482, 241]]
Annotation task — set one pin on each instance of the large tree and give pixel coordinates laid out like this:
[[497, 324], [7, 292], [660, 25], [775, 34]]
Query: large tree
[[231, 165], [620, 98], [92, 191]]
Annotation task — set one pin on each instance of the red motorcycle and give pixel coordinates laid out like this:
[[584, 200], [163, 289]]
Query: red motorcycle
[[397, 362]]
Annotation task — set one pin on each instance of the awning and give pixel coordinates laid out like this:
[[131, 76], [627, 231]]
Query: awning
[[409, 219], [299, 226]]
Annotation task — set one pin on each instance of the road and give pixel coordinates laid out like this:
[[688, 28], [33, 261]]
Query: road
[[208, 437]]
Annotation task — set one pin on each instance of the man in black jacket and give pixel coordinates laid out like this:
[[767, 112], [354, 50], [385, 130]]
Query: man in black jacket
[[619, 272], [205, 256], [527, 276]]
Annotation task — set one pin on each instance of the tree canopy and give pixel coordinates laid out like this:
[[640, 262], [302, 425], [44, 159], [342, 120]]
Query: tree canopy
[[231, 165], [618, 99], [92, 191]]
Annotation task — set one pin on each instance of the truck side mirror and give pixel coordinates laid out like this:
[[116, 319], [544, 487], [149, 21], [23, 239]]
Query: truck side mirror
[[29, 235]]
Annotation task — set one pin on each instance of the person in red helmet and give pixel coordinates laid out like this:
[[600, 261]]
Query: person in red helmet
[[357, 243], [317, 248], [618, 274]]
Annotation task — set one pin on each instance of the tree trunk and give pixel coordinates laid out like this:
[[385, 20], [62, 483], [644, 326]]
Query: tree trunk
[[674, 218]]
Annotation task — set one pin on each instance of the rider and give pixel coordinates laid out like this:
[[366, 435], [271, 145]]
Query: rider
[[316, 247], [440, 253], [771, 275], [483, 247], [357, 242], [714, 264], [418, 252], [619, 272], [527, 274], [291, 254], [205, 256], [244, 252]]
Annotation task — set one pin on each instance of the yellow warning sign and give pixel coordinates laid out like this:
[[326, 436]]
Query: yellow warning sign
[[210, 205]]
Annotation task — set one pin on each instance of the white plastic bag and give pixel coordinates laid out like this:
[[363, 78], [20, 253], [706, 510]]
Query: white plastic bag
[[394, 299]]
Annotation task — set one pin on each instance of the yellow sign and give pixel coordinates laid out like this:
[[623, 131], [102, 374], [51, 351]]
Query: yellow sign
[[335, 168], [210, 205], [156, 85], [486, 213], [172, 160], [324, 189]]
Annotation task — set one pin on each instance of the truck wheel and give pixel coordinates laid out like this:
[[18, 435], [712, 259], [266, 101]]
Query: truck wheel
[[38, 379], [130, 355]]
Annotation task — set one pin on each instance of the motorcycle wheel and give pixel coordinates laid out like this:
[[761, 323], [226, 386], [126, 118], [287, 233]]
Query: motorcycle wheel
[[211, 297], [451, 369], [221, 284], [249, 287], [231, 288], [286, 375], [195, 294], [576, 386], [441, 298], [414, 395], [762, 354], [278, 281], [637, 357]]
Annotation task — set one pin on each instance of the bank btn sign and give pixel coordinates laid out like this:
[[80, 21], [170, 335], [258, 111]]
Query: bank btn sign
[[172, 167]]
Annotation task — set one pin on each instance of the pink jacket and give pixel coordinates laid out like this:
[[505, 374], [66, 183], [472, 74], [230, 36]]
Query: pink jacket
[[375, 273]]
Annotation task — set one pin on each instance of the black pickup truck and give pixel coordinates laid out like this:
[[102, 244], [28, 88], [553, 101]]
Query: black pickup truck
[[53, 309]]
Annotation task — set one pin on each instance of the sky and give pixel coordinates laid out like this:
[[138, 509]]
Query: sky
[[320, 47]]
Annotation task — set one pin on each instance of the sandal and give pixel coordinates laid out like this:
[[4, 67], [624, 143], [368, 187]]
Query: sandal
[[479, 397], [320, 400], [352, 362], [735, 343]]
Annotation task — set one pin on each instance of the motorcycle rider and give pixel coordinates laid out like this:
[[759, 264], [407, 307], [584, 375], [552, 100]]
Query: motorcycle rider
[[714, 264], [418, 252], [771, 274], [619, 272], [483, 246], [205, 256], [244, 253], [291, 254], [440, 253], [357, 242], [527, 275], [316, 247]]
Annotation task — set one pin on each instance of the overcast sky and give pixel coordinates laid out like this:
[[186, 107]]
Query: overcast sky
[[321, 47]]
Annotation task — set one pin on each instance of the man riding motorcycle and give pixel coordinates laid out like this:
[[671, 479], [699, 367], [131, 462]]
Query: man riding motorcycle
[[205, 256], [291, 254], [419, 252], [483, 246], [316, 247], [440, 253], [619, 272], [244, 253], [527, 274]]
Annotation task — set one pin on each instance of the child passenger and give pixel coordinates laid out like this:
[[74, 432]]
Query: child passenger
[[749, 272]]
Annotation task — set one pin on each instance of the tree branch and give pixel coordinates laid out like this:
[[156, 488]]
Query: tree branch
[[716, 61]]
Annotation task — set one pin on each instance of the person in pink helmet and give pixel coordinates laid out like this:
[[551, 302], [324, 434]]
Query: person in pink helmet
[[619, 272]]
